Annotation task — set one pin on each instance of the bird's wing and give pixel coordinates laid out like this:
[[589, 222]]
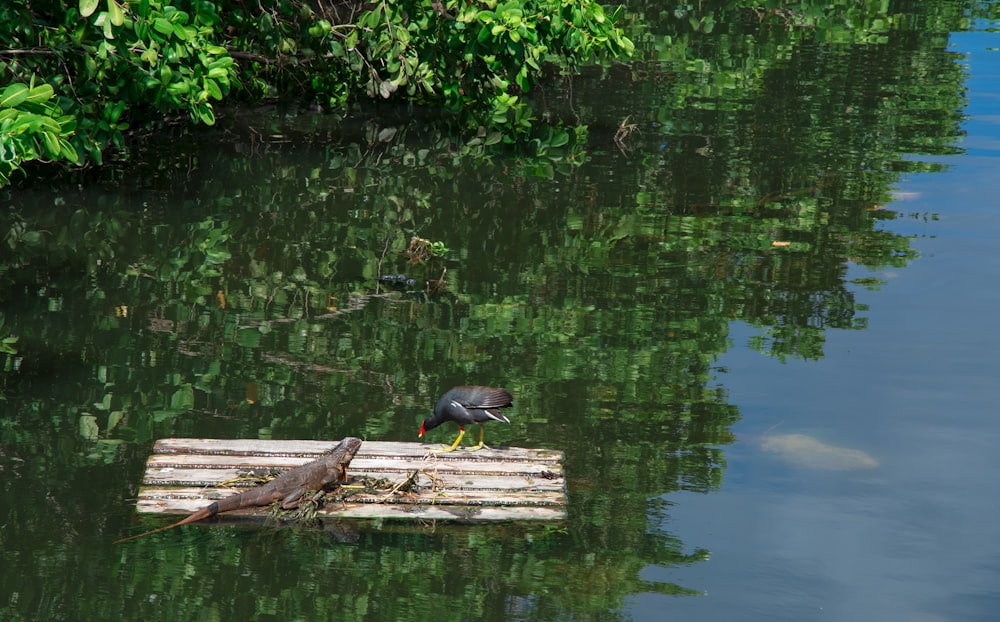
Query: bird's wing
[[490, 398]]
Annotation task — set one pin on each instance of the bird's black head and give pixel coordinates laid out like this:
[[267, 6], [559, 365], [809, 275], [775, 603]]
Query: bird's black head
[[427, 424]]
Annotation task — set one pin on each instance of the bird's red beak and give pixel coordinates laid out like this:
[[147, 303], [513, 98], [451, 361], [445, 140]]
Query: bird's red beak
[[422, 430]]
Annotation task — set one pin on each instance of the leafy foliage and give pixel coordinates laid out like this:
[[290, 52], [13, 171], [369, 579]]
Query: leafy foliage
[[470, 55], [32, 127], [109, 65]]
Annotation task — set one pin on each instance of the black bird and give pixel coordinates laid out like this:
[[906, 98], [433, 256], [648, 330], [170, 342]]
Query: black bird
[[465, 405]]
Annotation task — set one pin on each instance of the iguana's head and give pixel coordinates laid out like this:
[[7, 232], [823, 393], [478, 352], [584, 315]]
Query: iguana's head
[[351, 445]]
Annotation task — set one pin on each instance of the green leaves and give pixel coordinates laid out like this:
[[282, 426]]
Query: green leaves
[[190, 68], [8, 342], [115, 14], [32, 127], [476, 61], [14, 95], [163, 26], [87, 7], [147, 55], [34, 97], [158, 57]]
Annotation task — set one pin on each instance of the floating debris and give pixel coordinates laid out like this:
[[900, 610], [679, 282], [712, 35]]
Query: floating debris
[[398, 279]]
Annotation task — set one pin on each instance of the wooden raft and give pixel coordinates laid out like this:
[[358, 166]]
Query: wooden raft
[[508, 483]]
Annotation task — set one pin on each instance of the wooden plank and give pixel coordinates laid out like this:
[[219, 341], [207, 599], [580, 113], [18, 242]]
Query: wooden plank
[[195, 497], [448, 480], [508, 483], [466, 513], [164, 464], [384, 449]]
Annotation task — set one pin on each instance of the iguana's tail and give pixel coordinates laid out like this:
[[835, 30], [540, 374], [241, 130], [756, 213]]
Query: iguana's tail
[[201, 514]]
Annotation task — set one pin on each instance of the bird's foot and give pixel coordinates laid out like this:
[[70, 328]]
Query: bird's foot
[[478, 447]]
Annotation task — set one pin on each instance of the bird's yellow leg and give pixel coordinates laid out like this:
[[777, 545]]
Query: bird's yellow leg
[[461, 433], [481, 445]]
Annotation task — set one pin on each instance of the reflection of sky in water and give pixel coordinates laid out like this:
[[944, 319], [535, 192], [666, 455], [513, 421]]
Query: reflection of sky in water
[[916, 538]]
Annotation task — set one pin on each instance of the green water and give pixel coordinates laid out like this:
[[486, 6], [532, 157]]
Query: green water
[[645, 302]]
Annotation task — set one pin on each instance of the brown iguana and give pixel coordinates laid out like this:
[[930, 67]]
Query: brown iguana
[[325, 473]]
